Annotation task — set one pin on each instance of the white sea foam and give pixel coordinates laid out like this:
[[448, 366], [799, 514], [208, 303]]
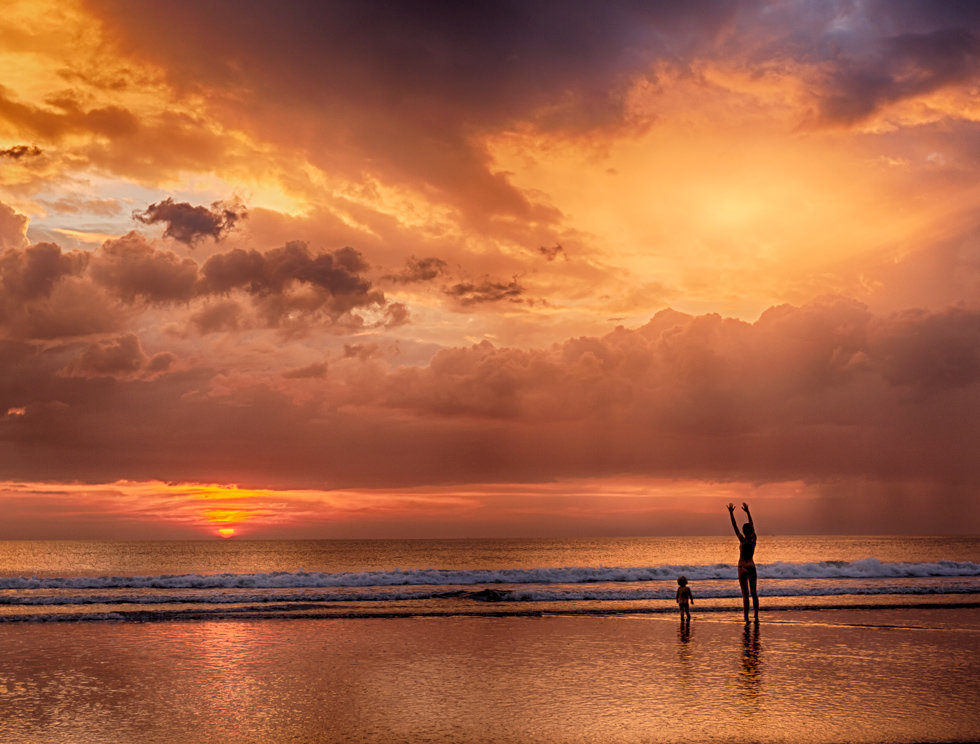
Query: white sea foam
[[868, 568], [518, 593]]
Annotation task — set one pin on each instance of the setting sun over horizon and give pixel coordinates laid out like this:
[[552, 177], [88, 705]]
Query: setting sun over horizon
[[546, 269]]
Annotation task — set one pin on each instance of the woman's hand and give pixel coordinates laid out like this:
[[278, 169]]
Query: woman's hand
[[745, 507], [731, 508]]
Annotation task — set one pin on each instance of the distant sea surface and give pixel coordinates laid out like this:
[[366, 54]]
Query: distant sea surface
[[252, 579]]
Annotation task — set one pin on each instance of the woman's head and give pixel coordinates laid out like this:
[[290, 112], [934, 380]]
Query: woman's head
[[748, 529]]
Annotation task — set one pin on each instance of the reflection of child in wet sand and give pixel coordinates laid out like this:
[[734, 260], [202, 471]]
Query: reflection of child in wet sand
[[684, 598]]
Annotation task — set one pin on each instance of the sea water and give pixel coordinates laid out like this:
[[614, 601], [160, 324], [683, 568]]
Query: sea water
[[862, 639], [226, 579]]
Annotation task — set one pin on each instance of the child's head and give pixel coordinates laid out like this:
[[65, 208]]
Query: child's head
[[748, 529], [681, 581]]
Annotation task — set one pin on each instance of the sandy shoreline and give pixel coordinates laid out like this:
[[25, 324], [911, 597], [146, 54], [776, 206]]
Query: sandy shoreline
[[874, 676], [772, 610]]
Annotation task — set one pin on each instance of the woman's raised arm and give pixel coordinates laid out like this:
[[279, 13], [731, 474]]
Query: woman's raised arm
[[731, 514]]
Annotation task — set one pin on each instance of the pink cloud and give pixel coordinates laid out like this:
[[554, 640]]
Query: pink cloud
[[13, 228], [824, 393]]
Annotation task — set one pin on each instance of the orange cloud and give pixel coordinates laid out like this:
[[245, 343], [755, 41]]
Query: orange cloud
[[463, 229]]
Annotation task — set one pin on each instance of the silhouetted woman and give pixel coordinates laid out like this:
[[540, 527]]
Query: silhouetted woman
[[746, 561]]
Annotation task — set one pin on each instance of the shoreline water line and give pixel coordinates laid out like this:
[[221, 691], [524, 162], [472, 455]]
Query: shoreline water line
[[314, 612]]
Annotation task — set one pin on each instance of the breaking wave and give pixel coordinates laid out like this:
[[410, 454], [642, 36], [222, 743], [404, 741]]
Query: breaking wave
[[867, 568]]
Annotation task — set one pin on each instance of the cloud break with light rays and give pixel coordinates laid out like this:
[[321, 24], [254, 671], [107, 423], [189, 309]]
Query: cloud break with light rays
[[488, 268]]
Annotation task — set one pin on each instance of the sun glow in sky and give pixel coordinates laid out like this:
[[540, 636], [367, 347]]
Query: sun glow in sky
[[367, 269]]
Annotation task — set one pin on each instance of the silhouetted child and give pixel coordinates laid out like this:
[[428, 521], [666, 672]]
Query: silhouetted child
[[684, 598]]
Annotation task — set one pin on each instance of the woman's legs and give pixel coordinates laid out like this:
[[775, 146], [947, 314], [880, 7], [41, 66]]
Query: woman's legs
[[755, 597], [743, 583], [747, 577]]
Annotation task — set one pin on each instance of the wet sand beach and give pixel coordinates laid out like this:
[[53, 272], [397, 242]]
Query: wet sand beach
[[898, 675]]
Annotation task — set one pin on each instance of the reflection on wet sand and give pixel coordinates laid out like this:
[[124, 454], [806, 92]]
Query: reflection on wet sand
[[684, 634], [684, 647], [750, 676], [911, 677]]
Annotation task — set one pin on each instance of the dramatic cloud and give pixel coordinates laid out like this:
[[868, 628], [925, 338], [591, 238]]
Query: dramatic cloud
[[49, 293], [66, 116], [131, 269], [808, 393], [33, 272], [512, 181], [120, 358], [931, 353], [13, 228], [188, 223], [387, 72], [292, 279], [900, 67], [43, 295]]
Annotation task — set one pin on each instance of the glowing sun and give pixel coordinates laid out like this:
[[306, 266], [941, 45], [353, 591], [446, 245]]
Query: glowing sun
[[227, 532]]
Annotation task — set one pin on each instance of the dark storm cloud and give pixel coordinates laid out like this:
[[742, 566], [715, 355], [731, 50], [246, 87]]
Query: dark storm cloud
[[48, 293], [408, 92], [864, 56], [337, 275], [497, 58], [923, 15], [409, 87], [903, 67], [188, 223]]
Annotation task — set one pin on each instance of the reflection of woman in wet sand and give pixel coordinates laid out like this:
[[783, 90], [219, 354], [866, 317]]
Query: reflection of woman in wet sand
[[746, 562], [751, 675]]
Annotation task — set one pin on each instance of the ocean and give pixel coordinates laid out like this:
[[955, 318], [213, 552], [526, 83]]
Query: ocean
[[865, 640], [228, 579]]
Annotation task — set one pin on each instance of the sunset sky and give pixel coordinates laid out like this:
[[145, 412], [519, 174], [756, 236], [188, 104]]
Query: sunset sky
[[369, 268]]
